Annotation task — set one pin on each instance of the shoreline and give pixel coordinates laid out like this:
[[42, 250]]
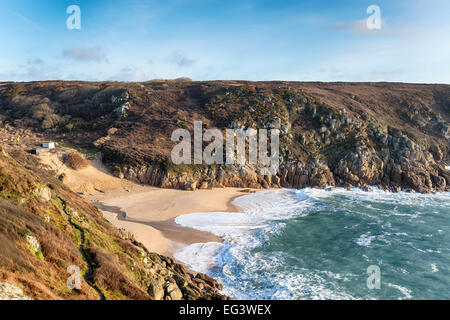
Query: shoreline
[[146, 212], [149, 214]]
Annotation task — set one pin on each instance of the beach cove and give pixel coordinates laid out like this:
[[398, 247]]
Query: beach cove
[[149, 213]]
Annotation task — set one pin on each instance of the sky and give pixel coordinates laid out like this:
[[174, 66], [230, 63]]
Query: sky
[[301, 40]]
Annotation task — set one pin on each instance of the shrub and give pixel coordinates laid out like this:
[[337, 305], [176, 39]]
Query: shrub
[[40, 111], [26, 103], [51, 121], [76, 161], [15, 89], [183, 79]]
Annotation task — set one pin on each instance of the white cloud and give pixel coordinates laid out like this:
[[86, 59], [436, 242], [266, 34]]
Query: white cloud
[[96, 54], [181, 59]]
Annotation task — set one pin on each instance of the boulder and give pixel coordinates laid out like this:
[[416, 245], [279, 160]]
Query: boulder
[[10, 292], [155, 289], [190, 294], [44, 194], [173, 291]]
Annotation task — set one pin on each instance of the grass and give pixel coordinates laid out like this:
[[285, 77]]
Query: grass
[[24, 233], [59, 243], [37, 253], [62, 264], [113, 295]]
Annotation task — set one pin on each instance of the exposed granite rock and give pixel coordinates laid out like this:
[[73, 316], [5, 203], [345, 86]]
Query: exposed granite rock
[[44, 193], [172, 291], [10, 292], [363, 167], [345, 151], [33, 242], [155, 288], [46, 239], [169, 280]]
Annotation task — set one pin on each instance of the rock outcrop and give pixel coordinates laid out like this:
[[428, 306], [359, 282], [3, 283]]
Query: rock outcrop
[[392, 135], [10, 292], [171, 281]]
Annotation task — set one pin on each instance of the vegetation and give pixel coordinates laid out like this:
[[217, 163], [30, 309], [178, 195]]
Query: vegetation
[[76, 161], [59, 241], [14, 90]]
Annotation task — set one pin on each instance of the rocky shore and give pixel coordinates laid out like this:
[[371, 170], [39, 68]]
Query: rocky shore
[[391, 135], [168, 280]]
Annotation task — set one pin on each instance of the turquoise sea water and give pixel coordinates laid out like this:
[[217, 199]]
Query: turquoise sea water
[[318, 244]]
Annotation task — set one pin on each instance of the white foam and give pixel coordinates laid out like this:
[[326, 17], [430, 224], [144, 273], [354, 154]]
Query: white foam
[[405, 291], [378, 195], [264, 213], [365, 240], [434, 268], [257, 211], [261, 213], [199, 256]]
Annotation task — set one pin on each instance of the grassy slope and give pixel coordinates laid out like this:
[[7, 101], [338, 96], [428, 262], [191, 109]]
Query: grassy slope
[[118, 267]]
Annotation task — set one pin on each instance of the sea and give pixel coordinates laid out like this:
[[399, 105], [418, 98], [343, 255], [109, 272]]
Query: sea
[[327, 244]]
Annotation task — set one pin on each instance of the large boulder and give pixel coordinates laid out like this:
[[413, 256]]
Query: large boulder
[[173, 291], [156, 288]]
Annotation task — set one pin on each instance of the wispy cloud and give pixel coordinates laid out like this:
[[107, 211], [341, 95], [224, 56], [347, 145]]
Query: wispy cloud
[[181, 59], [85, 54], [383, 75], [31, 73]]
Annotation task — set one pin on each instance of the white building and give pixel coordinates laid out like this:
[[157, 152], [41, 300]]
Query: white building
[[48, 145]]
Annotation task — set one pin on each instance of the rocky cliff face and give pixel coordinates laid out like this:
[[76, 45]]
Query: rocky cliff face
[[46, 229], [323, 146], [394, 136], [362, 168]]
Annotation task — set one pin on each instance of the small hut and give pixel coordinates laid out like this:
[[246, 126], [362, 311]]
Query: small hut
[[48, 145]]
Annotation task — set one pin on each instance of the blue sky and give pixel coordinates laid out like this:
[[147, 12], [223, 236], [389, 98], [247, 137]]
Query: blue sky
[[302, 40]]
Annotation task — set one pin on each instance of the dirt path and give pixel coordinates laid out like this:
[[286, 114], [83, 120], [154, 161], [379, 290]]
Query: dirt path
[[89, 275]]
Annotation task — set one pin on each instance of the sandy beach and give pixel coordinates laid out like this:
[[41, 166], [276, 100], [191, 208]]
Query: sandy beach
[[149, 213]]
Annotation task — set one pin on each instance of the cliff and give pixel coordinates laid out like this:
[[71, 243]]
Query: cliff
[[393, 135]]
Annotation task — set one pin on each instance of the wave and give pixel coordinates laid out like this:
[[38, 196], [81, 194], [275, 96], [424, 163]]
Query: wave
[[260, 215], [258, 257]]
